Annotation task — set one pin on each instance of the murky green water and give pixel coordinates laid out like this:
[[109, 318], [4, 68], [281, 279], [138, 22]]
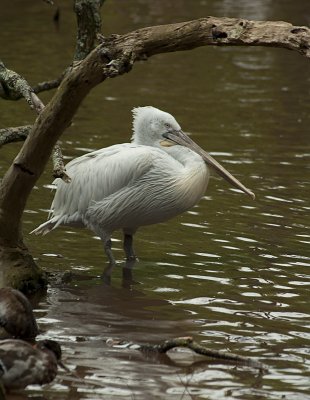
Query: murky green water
[[231, 272]]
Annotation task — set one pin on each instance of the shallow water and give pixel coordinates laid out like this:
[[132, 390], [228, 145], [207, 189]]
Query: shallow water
[[231, 272]]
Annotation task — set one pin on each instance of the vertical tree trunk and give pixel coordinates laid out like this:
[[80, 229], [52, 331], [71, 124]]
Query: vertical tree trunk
[[17, 267]]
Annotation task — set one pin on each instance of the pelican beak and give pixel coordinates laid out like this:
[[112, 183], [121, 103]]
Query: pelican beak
[[179, 137]]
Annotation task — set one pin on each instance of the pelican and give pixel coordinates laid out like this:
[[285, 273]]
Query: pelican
[[160, 174]]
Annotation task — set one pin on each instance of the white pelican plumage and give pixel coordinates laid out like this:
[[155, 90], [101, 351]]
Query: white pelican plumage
[[160, 174]]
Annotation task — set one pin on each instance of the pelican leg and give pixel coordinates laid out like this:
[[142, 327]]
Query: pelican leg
[[108, 251], [107, 272], [129, 251], [107, 243], [128, 248]]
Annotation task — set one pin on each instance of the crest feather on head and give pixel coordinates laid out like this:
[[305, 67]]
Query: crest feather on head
[[137, 114], [149, 123]]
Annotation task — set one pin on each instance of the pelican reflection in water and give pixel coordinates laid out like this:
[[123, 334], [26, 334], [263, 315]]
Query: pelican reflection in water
[[159, 175]]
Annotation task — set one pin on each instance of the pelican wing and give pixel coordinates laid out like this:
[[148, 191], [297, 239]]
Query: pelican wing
[[97, 175]]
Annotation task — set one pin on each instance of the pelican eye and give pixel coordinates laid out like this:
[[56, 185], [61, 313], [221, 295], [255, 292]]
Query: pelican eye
[[168, 127]]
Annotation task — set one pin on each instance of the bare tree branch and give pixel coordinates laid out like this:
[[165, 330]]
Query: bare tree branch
[[183, 36], [13, 86], [17, 134], [37, 103], [216, 32], [48, 85], [192, 345], [59, 169], [40, 87]]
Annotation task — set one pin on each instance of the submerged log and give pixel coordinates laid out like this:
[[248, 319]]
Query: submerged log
[[189, 343]]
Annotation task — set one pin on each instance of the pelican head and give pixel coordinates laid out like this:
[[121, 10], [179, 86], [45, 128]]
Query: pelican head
[[153, 127], [149, 125]]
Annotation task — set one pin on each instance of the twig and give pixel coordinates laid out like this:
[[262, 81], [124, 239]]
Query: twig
[[16, 134], [37, 103], [13, 86], [48, 85], [192, 345], [59, 169]]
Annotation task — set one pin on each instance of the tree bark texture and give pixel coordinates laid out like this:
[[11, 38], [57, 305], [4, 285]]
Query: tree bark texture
[[18, 269], [89, 25], [16, 134], [218, 32], [14, 86]]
